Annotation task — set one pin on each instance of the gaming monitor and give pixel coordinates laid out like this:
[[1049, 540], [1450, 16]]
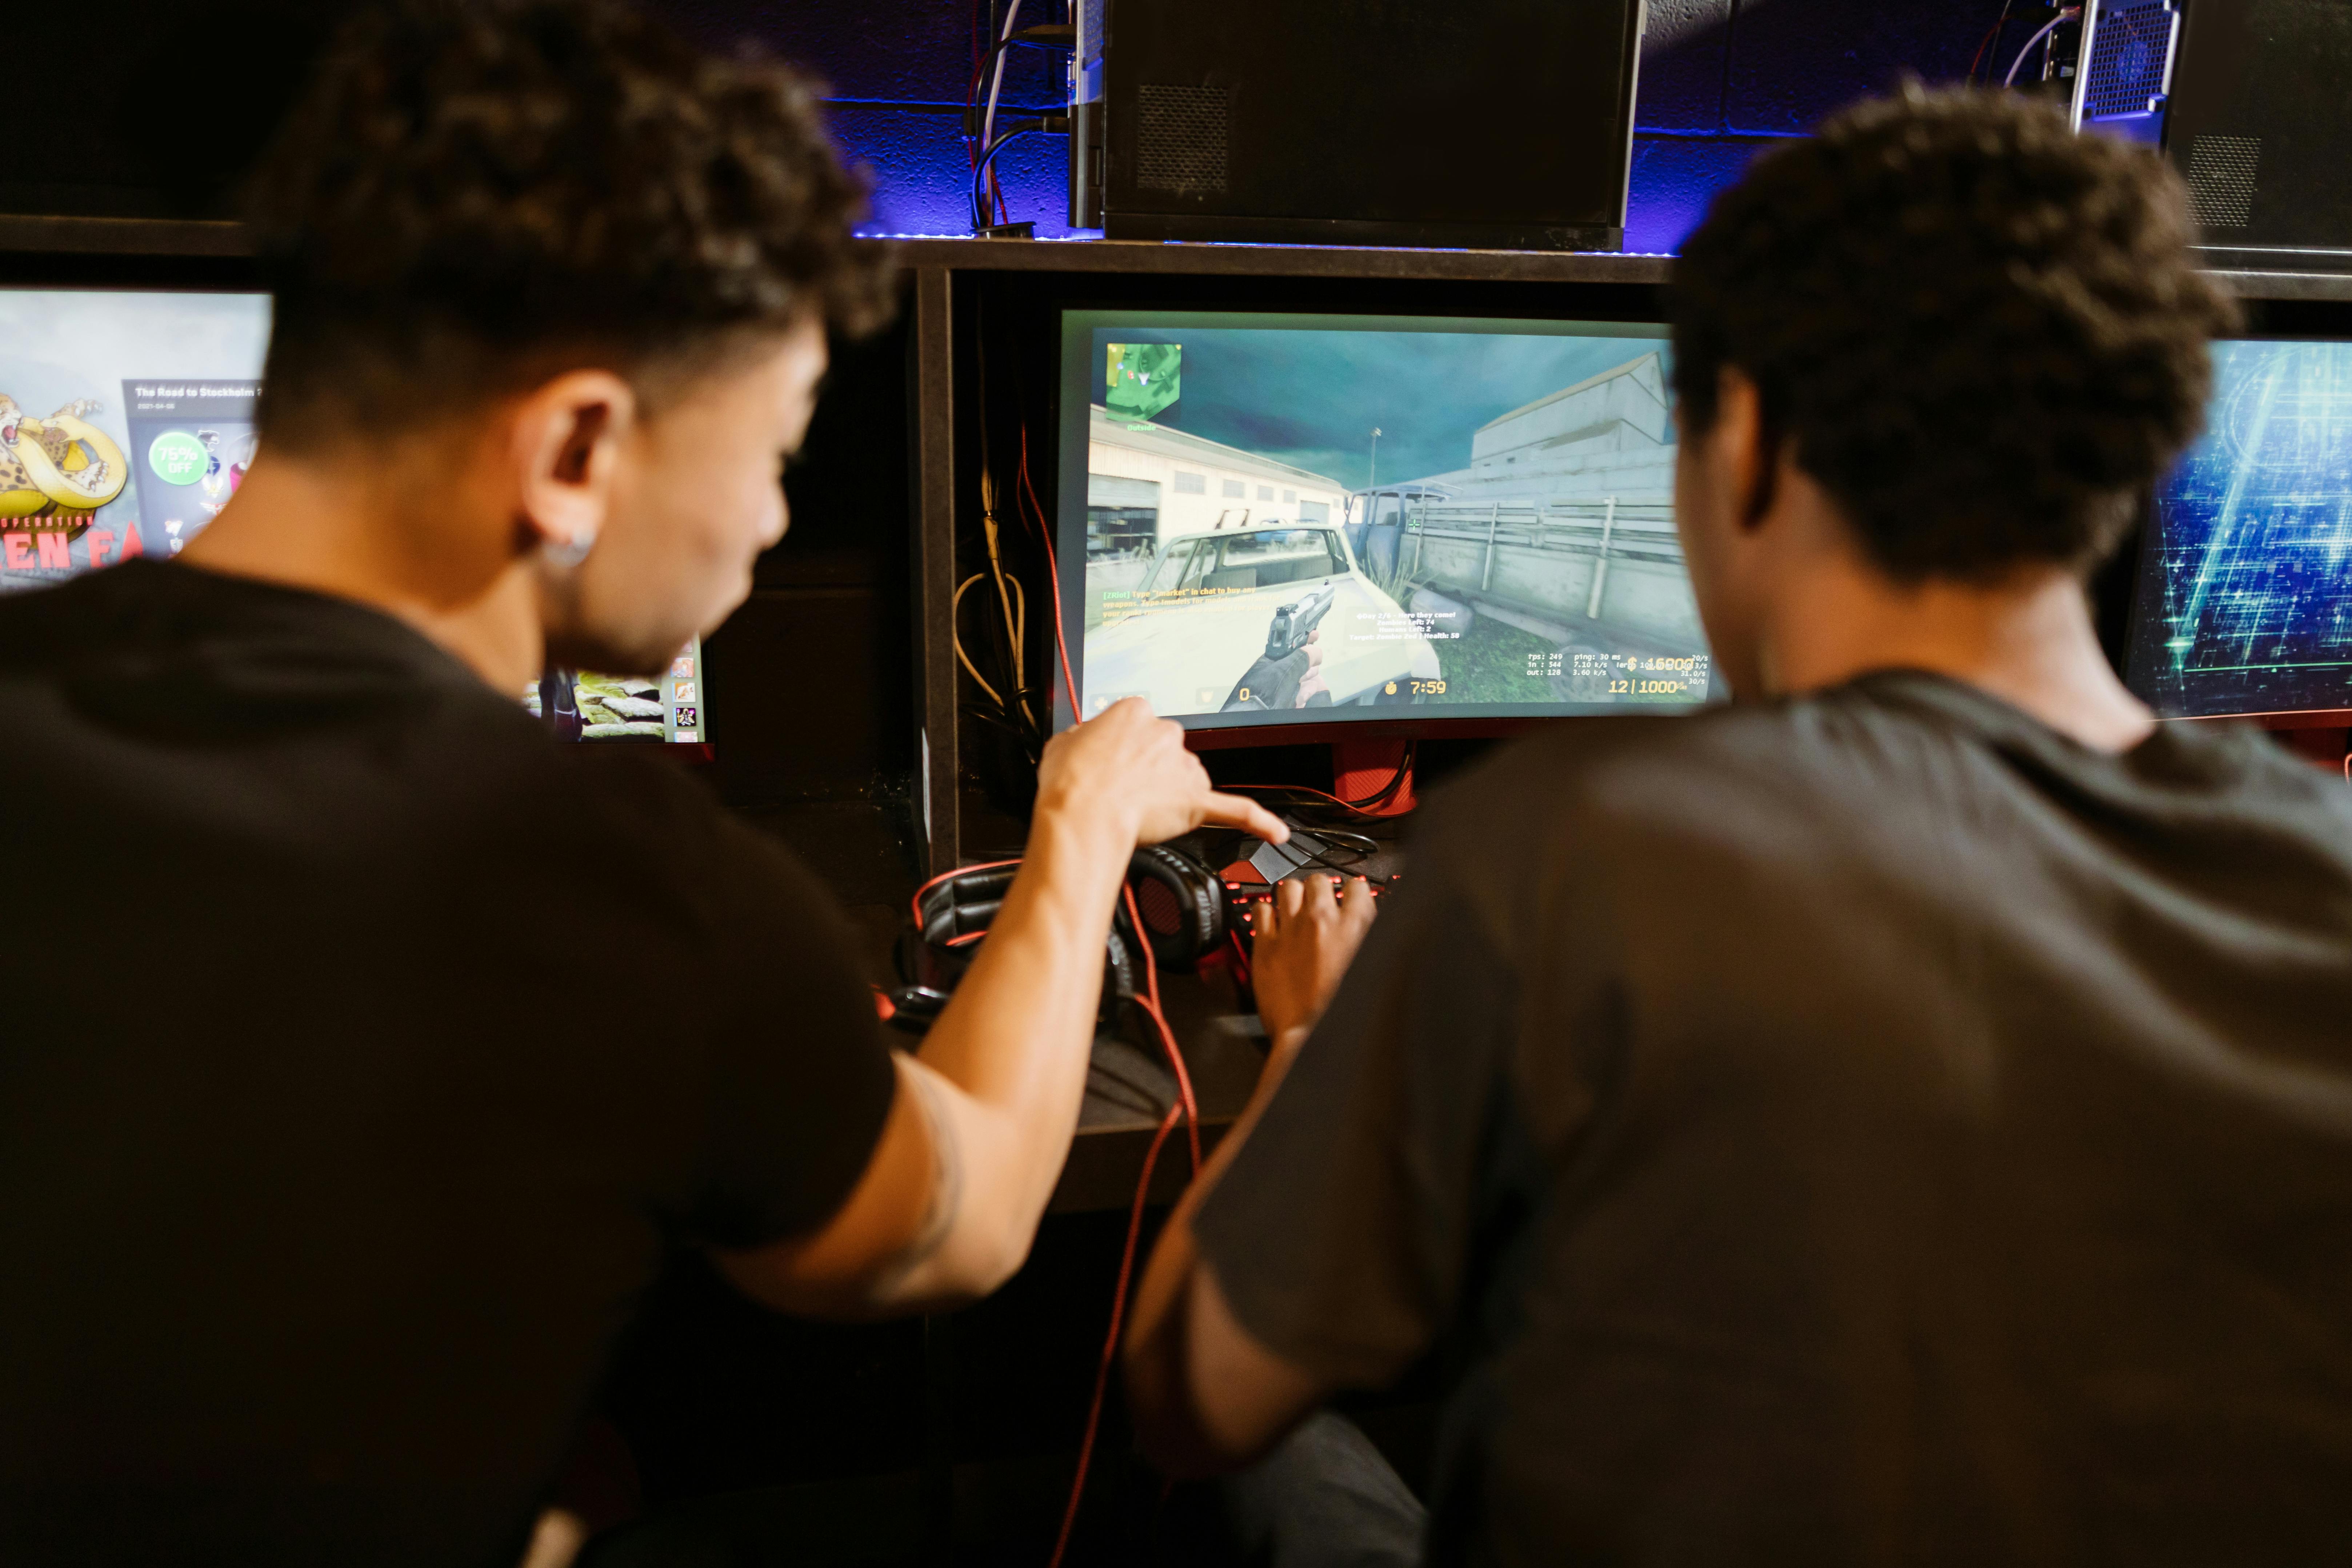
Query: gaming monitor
[[580, 705], [2243, 600], [127, 423], [1279, 522]]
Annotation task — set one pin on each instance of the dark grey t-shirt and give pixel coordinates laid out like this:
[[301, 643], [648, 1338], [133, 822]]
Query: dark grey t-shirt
[[1865, 1129], [360, 1047]]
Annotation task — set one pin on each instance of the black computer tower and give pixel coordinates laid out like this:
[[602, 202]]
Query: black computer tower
[[1487, 123], [2261, 127]]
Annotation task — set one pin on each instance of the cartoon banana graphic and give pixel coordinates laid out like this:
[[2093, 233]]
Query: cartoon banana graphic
[[62, 461]]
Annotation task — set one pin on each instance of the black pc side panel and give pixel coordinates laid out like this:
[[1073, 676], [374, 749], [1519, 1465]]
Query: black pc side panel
[[2261, 120], [1499, 124]]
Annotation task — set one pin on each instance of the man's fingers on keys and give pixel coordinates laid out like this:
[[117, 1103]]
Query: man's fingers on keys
[[1319, 892]]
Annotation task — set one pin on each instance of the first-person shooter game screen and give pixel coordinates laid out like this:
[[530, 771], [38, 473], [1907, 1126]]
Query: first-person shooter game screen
[[1292, 518]]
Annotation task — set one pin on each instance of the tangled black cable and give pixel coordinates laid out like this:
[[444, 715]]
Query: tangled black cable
[[1303, 800]]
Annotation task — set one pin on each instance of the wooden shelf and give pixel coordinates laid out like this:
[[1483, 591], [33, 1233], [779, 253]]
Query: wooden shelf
[[2291, 287], [24, 235], [1196, 261], [33, 235], [958, 254]]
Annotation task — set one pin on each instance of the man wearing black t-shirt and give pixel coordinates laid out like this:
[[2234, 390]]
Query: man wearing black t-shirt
[[1905, 1116], [319, 1206]]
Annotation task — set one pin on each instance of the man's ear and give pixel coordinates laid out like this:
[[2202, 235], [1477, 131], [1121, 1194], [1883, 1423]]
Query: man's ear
[[567, 441], [1751, 455]]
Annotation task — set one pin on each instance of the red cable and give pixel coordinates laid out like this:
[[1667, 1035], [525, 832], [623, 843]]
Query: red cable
[[1355, 808], [1061, 643], [1110, 1341], [1978, 58], [1167, 1035], [1151, 963], [1150, 1001], [1185, 1108], [1183, 1085], [1302, 789]]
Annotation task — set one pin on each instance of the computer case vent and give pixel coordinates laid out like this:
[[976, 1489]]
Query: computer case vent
[[2221, 171], [2130, 65], [1180, 141]]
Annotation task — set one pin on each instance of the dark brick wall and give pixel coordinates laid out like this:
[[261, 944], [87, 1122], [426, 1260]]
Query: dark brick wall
[[1719, 79]]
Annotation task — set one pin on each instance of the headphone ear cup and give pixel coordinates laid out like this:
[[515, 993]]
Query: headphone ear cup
[[1181, 904], [955, 909]]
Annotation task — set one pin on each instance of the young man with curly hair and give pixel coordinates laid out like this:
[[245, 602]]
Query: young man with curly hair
[[324, 1196], [1906, 1115]]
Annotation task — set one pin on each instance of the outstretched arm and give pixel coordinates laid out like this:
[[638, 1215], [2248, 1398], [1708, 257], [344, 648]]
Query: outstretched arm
[[982, 1120]]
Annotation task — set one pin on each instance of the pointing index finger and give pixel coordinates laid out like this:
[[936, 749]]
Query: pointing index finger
[[1238, 811]]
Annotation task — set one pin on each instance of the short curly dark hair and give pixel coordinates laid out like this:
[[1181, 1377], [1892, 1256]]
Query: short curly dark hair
[[472, 195], [1981, 332]]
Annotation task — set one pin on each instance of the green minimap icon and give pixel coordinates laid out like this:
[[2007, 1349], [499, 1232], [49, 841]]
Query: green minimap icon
[[1142, 378]]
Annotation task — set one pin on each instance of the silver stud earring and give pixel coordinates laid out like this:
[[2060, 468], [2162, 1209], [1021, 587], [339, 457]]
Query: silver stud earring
[[567, 553]]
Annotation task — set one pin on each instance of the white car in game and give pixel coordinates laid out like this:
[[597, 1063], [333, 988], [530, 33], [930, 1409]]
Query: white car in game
[[1200, 617]]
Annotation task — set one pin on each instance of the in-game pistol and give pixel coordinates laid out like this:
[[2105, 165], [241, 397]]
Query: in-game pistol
[[1294, 621]]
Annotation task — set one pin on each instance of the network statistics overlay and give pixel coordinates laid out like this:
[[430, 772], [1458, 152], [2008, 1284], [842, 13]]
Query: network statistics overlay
[[2244, 601]]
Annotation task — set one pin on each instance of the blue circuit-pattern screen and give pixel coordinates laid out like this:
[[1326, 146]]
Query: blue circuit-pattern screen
[[2245, 599]]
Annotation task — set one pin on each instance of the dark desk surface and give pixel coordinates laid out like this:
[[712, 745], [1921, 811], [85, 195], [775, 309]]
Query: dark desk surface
[[1128, 1090]]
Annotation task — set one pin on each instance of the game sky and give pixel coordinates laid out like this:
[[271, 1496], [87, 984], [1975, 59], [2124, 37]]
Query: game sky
[[1312, 398]]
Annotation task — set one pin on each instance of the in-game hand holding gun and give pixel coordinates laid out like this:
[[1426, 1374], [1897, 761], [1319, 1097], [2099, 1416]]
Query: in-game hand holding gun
[[1296, 622], [1285, 675]]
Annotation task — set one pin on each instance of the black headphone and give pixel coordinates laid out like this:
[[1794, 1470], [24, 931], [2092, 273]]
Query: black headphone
[[956, 911], [1180, 903], [1179, 900]]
